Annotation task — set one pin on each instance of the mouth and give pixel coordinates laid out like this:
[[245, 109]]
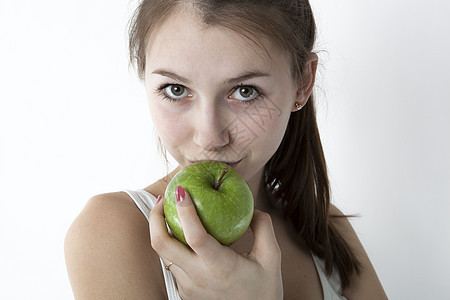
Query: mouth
[[232, 164]]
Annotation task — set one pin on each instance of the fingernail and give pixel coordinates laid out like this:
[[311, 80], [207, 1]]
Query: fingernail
[[180, 194], [158, 199]]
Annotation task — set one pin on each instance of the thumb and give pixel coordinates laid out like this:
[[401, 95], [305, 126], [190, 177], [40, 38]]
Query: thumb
[[265, 247]]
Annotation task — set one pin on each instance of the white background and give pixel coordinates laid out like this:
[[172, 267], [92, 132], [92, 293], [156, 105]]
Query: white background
[[74, 123]]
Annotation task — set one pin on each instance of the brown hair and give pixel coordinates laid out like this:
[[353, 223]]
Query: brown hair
[[296, 175]]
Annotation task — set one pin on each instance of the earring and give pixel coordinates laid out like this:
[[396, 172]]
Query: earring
[[298, 106]]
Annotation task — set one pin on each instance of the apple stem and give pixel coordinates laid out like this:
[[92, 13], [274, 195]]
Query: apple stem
[[225, 171]]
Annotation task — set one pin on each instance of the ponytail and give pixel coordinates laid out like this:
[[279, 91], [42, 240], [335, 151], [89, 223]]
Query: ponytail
[[296, 179]]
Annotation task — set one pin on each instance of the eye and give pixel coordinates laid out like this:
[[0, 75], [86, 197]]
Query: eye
[[244, 93], [175, 91]]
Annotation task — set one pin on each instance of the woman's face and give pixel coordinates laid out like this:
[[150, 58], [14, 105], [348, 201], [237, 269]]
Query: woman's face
[[215, 95]]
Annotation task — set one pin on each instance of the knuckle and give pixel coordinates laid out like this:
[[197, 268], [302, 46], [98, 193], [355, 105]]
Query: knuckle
[[196, 240], [158, 243]]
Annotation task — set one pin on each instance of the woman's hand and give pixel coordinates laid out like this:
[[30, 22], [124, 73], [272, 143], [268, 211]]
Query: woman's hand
[[211, 270]]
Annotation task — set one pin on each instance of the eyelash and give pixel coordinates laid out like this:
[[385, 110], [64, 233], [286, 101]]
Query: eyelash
[[259, 94], [160, 91]]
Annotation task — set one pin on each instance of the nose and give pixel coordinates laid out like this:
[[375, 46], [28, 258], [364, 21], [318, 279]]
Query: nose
[[211, 132]]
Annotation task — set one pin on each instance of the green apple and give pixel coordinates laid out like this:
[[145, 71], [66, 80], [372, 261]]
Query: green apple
[[221, 196]]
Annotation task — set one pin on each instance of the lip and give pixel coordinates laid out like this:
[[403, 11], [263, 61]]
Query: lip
[[231, 164]]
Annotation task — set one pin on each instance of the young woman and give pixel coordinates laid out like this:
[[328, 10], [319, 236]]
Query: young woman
[[229, 81]]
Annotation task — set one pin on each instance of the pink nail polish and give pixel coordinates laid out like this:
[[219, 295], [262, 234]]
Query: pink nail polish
[[158, 199], [180, 194]]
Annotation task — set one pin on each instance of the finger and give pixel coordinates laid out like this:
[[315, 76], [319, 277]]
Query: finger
[[195, 233], [177, 272], [180, 278], [265, 247], [165, 245]]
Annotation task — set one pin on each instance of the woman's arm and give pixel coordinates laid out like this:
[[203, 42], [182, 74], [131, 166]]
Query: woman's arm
[[108, 252], [366, 285]]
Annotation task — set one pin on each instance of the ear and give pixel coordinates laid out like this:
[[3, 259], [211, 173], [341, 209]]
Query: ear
[[306, 80]]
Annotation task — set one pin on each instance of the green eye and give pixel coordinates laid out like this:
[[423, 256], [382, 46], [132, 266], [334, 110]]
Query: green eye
[[245, 93], [176, 91]]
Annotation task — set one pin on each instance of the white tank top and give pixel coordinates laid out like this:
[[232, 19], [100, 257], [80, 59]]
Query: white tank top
[[331, 286]]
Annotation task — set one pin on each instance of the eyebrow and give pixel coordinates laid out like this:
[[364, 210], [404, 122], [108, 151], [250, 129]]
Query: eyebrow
[[172, 75], [234, 80], [245, 76]]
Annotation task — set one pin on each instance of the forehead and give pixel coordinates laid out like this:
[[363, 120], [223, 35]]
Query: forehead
[[184, 39]]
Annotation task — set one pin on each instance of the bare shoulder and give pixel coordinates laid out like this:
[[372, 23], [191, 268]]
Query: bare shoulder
[[108, 252], [366, 285]]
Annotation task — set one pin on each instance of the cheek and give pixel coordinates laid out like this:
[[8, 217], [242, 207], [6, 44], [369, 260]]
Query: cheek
[[170, 127], [261, 142], [260, 130], [274, 130], [268, 119]]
